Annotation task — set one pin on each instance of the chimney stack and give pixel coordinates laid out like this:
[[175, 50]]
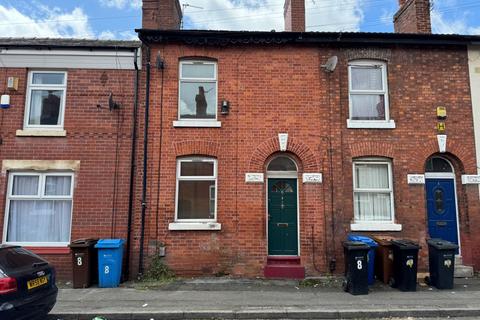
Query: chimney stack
[[413, 17], [294, 15], [161, 14]]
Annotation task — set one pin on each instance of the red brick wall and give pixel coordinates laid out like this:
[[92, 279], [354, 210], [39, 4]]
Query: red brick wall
[[279, 89], [93, 136]]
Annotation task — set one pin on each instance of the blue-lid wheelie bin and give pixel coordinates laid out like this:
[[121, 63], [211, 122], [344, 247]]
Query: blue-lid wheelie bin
[[110, 257], [371, 254]]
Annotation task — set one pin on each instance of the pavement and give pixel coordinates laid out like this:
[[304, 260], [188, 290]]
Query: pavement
[[226, 298]]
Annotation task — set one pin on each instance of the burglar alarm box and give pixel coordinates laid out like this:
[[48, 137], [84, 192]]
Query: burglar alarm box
[[12, 83]]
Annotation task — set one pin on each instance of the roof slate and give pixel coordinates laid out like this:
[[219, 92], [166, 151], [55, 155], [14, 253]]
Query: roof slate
[[68, 43]]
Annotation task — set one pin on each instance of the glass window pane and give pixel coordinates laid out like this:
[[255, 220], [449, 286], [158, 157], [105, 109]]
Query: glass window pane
[[39, 221], [198, 71], [194, 201], [282, 164], [371, 176], [25, 185], [368, 106], [197, 168], [45, 107], [48, 78], [58, 185], [198, 100], [373, 206], [438, 165], [366, 78]]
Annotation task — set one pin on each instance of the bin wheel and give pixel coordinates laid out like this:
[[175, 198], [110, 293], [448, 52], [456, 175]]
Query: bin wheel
[[345, 285], [391, 282]]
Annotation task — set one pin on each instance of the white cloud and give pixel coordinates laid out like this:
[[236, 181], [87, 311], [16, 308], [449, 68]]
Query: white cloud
[[47, 23], [115, 35], [106, 35], [453, 16], [121, 4], [321, 15], [455, 25]]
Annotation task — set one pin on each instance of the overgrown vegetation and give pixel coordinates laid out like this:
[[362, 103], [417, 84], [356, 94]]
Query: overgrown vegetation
[[158, 271]]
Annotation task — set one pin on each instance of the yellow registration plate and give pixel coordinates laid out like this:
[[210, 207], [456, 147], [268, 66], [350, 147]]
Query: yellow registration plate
[[37, 282]]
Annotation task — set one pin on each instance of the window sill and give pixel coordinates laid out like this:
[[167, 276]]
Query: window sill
[[49, 250], [41, 133], [182, 226], [197, 124], [375, 226], [360, 124]]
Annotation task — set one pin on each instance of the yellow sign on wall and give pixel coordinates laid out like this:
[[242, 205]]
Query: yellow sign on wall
[[441, 127], [441, 112]]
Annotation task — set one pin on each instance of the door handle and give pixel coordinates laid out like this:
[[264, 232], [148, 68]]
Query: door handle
[[282, 225]]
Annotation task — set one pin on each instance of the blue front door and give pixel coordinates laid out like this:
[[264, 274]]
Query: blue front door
[[442, 209]]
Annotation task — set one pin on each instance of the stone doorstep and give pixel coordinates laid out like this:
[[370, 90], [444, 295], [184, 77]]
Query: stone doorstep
[[462, 271]]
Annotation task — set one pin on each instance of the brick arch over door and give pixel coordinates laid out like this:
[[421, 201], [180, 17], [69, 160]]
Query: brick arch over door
[[371, 149], [271, 146], [460, 154], [200, 147]]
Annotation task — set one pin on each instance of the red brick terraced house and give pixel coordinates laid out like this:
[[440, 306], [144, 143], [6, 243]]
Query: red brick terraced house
[[266, 149], [65, 142], [242, 153]]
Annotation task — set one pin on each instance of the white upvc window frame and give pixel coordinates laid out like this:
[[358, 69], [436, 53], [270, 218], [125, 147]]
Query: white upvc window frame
[[386, 123], [197, 178], [42, 176], [197, 122], [379, 225], [56, 87]]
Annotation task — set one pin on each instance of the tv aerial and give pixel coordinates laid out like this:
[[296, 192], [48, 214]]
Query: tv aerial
[[331, 64], [184, 7]]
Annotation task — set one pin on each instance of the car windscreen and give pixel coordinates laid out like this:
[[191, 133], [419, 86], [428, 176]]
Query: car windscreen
[[15, 258]]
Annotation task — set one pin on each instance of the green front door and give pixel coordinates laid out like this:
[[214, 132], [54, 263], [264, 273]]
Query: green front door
[[282, 217]]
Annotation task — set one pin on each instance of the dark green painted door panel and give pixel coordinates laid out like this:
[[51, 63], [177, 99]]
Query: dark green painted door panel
[[282, 217]]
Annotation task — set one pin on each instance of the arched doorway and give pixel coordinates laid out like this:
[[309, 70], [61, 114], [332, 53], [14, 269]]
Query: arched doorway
[[282, 207], [441, 197]]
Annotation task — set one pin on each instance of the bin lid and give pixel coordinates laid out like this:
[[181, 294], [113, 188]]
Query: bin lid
[[364, 239], [355, 245], [82, 243], [404, 244], [383, 240], [440, 244], [109, 243]]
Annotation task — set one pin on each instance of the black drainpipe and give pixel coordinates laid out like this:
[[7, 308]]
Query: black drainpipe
[[145, 158], [132, 166]]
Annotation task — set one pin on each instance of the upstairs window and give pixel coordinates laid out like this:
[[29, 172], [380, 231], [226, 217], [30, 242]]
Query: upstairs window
[[368, 91], [198, 90], [45, 105]]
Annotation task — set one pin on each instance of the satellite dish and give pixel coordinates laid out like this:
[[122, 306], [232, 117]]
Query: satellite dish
[[331, 64]]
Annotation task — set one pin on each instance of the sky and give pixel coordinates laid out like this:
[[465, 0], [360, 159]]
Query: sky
[[117, 19]]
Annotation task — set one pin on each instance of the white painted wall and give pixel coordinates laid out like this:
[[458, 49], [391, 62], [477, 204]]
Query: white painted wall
[[68, 59], [474, 66]]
